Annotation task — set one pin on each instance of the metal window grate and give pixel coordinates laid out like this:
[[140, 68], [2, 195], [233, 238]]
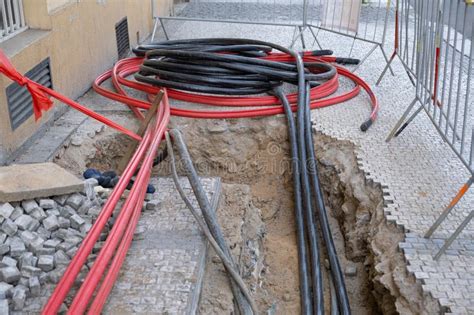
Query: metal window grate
[[12, 19], [20, 104], [123, 41]]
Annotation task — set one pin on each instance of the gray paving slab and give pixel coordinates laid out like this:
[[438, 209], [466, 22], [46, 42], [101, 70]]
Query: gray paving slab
[[28, 181]]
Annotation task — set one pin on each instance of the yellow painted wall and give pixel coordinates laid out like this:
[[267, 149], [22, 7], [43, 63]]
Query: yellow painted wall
[[79, 38]]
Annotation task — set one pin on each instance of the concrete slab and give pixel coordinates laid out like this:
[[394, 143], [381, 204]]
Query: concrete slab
[[28, 181]]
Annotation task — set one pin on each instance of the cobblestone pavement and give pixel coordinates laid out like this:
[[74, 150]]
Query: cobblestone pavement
[[164, 268], [163, 271]]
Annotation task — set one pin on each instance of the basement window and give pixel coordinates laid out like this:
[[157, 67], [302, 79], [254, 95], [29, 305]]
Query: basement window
[[19, 101], [123, 41]]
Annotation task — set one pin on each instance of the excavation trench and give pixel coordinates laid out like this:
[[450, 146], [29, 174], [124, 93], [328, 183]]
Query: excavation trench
[[256, 213]]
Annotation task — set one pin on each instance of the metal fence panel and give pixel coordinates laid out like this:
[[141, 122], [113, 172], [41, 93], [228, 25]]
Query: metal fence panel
[[348, 17], [443, 67], [444, 83], [367, 22], [341, 15]]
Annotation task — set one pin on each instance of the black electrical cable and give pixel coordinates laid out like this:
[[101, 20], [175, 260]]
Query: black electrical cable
[[208, 215], [304, 273], [218, 246], [142, 49], [162, 155], [336, 271], [224, 74], [222, 85], [317, 281]]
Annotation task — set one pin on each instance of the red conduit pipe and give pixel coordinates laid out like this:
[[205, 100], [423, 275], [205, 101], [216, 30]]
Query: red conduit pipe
[[113, 270], [74, 267], [119, 89], [129, 66], [134, 202]]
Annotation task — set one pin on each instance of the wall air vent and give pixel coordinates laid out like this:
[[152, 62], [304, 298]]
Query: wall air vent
[[123, 41], [20, 104]]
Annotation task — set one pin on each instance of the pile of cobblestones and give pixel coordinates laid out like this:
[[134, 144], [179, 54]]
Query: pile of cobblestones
[[39, 237]]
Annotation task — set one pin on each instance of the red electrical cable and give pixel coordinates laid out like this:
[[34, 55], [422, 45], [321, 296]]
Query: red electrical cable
[[114, 268], [66, 282], [74, 267], [119, 89]]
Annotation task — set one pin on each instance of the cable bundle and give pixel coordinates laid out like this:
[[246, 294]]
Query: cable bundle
[[209, 70]]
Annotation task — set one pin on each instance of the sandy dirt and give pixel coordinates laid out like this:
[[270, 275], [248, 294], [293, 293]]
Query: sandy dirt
[[94, 146], [251, 157]]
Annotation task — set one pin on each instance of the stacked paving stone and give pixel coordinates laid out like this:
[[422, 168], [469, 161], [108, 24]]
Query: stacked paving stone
[[39, 237]]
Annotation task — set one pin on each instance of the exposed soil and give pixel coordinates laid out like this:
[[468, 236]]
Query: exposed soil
[[256, 208], [257, 216], [94, 146]]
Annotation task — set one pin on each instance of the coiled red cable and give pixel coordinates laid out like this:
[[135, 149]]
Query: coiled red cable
[[271, 104]]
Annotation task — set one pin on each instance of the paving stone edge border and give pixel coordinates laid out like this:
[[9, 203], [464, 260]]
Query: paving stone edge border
[[388, 204]]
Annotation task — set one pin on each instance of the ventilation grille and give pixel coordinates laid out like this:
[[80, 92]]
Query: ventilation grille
[[123, 41], [20, 103]]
